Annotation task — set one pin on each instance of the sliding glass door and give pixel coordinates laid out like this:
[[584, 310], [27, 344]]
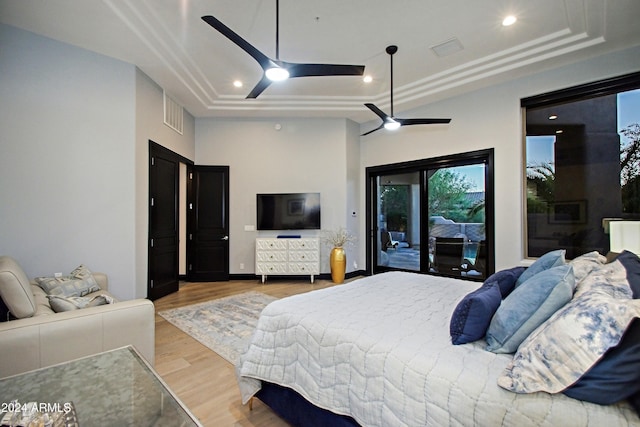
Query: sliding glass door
[[457, 220], [432, 216], [399, 221]]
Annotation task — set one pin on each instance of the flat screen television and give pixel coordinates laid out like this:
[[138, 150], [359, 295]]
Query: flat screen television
[[288, 211]]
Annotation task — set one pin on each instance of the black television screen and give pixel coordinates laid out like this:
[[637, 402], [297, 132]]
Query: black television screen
[[290, 211]]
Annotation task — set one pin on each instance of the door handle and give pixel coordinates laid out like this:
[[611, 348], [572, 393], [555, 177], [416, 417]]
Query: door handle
[[225, 238]]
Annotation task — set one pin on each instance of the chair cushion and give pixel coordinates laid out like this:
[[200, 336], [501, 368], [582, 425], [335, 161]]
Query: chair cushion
[[15, 289], [60, 304]]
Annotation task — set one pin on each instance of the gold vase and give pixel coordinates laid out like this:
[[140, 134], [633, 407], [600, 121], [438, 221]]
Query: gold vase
[[338, 263]]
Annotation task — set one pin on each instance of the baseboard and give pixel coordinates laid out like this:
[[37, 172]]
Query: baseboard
[[296, 278]]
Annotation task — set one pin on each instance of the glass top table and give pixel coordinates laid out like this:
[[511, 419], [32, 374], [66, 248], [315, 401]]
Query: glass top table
[[117, 387]]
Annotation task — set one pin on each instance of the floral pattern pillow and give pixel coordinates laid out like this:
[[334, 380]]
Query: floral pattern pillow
[[586, 263], [610, 279], [561, 350]]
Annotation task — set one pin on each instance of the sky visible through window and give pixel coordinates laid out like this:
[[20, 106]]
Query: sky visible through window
[[473, 174], [540, 148]]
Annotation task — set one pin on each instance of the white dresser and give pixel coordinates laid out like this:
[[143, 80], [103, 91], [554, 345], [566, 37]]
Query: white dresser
[[287, 257]]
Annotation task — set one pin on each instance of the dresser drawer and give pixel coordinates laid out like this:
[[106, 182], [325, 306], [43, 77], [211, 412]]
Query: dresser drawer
[[271, 268], [287, 257], [274, 256]]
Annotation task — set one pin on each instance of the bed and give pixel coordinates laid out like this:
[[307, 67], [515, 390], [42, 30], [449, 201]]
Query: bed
[[378, 352]]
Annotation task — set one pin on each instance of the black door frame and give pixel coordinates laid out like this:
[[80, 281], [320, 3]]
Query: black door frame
[[157, 150], [486, 156]]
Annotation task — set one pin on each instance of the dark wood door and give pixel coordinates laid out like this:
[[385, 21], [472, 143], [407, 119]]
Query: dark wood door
[[208, 225], [163, 222]]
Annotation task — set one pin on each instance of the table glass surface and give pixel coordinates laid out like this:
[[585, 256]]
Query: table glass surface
[[116, 387]]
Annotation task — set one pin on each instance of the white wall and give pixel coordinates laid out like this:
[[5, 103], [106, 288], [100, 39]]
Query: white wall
[[150, 126], [490, 118], [318, 155], [67, 123], [355, 216], [74, 131], [303, 156]]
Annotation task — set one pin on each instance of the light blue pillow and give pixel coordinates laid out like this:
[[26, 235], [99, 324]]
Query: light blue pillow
[[545, 262], [528, 306], [574, 339]]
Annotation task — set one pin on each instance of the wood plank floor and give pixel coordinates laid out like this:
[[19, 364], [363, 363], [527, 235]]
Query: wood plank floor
[[204, 381]]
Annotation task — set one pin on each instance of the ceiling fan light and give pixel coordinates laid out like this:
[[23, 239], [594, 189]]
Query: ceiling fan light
[[391, 125], [277, 74]]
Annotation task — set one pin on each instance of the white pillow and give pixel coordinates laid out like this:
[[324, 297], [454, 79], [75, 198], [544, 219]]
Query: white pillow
[[567, 345]]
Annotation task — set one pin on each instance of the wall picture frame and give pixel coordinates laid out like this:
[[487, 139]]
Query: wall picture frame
[[568, 212]]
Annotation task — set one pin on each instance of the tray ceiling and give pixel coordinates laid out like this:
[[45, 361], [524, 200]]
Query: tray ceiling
[[446, 47]]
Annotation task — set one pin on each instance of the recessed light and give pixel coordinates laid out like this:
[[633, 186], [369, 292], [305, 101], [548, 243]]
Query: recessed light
[[553, 117], [509, 20], [367, 79], [237, 83], [559, 131]]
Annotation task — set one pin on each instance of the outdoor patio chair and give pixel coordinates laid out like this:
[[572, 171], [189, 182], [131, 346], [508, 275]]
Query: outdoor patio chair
[[449, 255]]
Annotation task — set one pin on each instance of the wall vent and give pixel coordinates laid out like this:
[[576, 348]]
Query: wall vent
[[173, 113]]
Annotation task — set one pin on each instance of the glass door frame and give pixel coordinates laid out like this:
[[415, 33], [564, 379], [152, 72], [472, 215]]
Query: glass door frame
[[424, 166]]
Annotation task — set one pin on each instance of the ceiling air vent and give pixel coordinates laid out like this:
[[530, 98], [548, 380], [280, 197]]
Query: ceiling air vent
[[448, 47], [173, 113]]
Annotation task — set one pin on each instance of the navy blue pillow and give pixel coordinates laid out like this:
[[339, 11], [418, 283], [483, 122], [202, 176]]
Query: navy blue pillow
[[506, 279], [616, 376], [473, 314], [631, 263]]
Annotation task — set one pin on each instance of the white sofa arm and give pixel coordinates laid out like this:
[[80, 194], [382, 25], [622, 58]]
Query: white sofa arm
[[47, 340]]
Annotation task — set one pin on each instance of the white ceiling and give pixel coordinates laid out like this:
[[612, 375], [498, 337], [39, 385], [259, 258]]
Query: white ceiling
[[196, 65]]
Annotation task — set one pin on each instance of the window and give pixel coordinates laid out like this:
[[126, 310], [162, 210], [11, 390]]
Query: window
[[582, 157], [432, 216]]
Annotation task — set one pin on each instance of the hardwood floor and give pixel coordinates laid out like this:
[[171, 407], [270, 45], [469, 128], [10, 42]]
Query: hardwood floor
[[204, 381]]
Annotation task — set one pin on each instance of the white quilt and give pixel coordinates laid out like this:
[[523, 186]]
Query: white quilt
[[378, 349]]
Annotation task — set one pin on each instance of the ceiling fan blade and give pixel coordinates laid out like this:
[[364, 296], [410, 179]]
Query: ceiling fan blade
[[260, 87], [309, 70], [377, 111], [408, 122], [371, 131], [263, 60], [386, 119]]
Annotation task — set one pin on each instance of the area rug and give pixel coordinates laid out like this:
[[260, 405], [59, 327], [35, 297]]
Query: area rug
[[224, 325]]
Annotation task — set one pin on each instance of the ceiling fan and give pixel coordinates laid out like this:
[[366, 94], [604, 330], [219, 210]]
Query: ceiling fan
[[390, 121], [275, 69]]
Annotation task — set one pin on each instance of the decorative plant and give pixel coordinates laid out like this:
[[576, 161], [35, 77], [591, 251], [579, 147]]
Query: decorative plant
[[338, 238]]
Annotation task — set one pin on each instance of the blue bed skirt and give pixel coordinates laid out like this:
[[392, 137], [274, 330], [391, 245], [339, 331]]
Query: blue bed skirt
[[297, 411]]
